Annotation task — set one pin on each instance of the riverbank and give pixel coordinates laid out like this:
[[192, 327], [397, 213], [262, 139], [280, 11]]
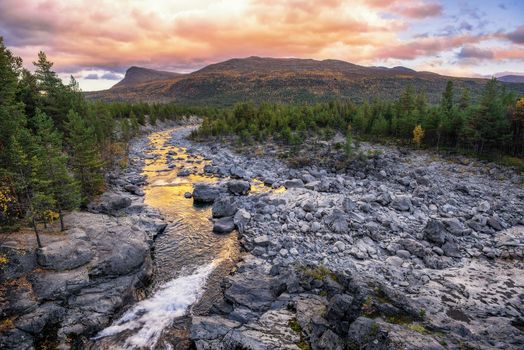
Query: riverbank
[[400, 249], [60, 295]]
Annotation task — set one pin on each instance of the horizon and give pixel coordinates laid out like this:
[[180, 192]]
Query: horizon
[[98, 43]]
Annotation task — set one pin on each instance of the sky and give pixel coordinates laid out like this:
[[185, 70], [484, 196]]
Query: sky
[[97, 40]]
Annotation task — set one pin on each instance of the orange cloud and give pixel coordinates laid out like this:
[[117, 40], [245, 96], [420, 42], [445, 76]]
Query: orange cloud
[[180, 35]]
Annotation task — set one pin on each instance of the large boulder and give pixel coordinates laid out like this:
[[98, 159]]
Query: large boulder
[[238, 187], [124, 258], [65, 255], [205, 194], [110, 203]]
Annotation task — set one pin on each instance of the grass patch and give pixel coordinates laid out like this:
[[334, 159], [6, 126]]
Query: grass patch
[[418, 328], [516, 162], [319, 272]]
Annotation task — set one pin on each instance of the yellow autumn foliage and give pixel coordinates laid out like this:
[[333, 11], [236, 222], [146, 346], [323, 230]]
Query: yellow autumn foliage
[[418, 135]]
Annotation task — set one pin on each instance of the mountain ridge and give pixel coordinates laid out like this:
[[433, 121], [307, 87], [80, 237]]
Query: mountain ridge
[[281, 80]]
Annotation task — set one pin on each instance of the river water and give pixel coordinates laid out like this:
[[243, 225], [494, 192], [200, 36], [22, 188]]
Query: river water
[[190, 260]]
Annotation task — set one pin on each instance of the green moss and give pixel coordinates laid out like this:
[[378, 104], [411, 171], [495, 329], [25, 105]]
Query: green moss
[[422, 313], [418, 328], [303, 345], [294, 325], [319, 272]]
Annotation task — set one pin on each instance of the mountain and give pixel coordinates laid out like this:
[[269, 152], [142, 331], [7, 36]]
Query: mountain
[[283, 80], [139, 75], [512, 78]]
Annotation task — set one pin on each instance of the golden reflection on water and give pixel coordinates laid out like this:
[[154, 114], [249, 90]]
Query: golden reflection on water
[[188, 242]]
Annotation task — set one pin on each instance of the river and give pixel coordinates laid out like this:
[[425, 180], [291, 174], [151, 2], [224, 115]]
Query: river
[[190, 260]]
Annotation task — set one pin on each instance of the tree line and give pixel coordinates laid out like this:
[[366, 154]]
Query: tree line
[[492, 125], [55, 146]]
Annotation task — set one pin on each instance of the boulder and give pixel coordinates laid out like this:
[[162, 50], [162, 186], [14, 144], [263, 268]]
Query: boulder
[[238, 187], [337, 221], [435, 232], [205, 194], [294, 183], [65, 255], [402, 203], [134, 189], [35, 321], [58, 285], [224, 206], [224, 225], [184, 173], [124, 258], [110, 203], [20, 263]]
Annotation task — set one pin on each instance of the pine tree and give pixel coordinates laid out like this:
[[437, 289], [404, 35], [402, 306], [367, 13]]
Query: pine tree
[[465, 99], [447, 98], [53, 172], [85, 157]]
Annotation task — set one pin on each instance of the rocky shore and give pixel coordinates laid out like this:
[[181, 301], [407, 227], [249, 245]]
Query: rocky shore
[[72, 287], [400, 250]]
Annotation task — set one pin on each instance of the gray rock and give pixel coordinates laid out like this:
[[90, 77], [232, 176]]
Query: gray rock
[[35, 321], [337, 221], [57, 285], [329, 341], [134, 189], [224, 206], [21, 262], [362, 331], [454, 226], [294, 183], [65, 255], [251, 289], [205, 194], [261, 240], [184, 173], [238, 187], [404, 254], [434, 232], [394, 261], [224, 225], [125, 257], [110, 203], [384, 198], [402, 203]]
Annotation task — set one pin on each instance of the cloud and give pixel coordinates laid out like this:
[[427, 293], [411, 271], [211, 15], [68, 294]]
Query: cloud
[[470, 51], [517, 36], [92, 76], [420, 10], [111, 76], [105, 37]]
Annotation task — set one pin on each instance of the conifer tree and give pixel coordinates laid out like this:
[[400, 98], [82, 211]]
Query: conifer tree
[[85, 157], [52, 172]]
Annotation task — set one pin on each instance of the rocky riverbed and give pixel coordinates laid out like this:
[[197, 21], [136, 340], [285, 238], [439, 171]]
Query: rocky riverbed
[[403, 249], [399, 250]]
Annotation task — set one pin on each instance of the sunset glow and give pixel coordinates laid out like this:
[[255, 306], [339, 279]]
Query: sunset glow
[[96, 41]]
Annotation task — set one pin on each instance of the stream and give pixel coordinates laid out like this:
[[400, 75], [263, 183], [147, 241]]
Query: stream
[[190, 260]]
